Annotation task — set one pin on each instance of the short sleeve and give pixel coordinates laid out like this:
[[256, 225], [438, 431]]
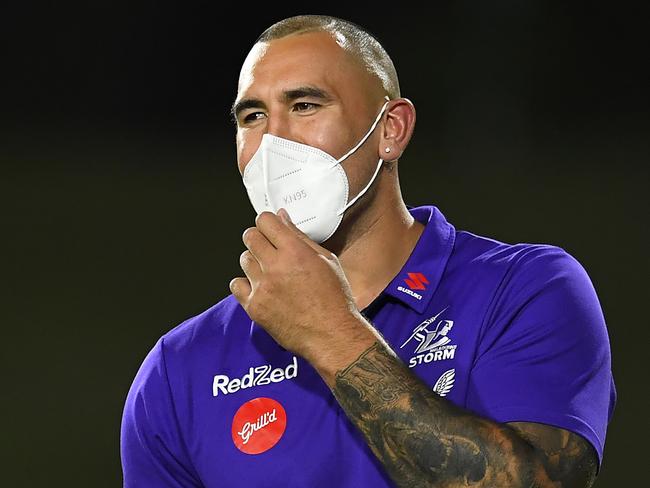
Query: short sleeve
[[544, 353], [151, 447]]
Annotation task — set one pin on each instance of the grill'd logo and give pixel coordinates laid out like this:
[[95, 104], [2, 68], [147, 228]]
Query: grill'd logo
[[258, 425]]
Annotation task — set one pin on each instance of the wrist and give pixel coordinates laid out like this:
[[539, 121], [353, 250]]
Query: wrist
[[349, 337]]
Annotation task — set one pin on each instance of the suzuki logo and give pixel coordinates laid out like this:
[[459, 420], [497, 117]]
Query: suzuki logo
[[416, 281]]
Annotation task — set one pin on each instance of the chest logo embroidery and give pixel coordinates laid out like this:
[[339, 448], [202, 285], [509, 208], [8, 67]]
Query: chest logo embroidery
[[415, 281], [432, 341], [445, 383], [256, 376], [258, 425]]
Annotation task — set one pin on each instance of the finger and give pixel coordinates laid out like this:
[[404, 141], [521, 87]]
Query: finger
[[259, 245], [250, 266], [286, 219], [275, 231], [241, 289]]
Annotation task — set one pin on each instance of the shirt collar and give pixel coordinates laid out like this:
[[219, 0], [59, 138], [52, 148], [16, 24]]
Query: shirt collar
[[418, 280]]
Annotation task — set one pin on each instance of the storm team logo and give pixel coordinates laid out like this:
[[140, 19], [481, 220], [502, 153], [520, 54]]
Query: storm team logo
[[445, 383], [433, 343]]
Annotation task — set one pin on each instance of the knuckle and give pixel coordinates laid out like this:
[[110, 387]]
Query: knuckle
[[235, 285], [260, 219], [301, 254], [244, 258], [252, 309], [280, 270], [261, 291], [263, 218], [247, 234], [256, 309]]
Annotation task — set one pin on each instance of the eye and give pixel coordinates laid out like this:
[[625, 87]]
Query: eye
[[252, 117], [305, 106]]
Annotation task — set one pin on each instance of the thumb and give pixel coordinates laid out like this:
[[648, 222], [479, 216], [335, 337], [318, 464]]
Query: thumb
[[284, 216]]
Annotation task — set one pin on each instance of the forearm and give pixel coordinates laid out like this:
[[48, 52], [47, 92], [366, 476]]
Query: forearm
[[424, 440]]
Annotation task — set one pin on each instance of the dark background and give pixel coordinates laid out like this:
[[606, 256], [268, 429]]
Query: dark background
[[122, 208]]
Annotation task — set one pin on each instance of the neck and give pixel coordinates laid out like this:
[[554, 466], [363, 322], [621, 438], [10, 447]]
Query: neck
[[374, 246]]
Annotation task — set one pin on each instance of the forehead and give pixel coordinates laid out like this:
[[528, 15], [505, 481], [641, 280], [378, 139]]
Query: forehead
[[313, 58]]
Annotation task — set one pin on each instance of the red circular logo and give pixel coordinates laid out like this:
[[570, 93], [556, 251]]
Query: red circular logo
[[258, 425]]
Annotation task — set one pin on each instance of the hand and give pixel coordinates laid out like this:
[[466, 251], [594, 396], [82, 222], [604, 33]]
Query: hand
[[294, 288]]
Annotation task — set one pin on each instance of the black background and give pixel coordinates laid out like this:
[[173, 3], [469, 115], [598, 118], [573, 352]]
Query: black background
[[122, 208]]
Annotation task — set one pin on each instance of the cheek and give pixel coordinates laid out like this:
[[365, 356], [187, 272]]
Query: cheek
[[332, 138], [247, 144]]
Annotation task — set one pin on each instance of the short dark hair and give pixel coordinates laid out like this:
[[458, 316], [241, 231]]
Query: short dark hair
[[355, 39]]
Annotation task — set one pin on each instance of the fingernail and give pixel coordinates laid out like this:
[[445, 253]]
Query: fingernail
[[284, 215]]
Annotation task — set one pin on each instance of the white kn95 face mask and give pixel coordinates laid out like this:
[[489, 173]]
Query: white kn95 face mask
[[307, 182]]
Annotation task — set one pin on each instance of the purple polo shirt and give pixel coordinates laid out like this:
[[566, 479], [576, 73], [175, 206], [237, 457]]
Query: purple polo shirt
[[510, 332]]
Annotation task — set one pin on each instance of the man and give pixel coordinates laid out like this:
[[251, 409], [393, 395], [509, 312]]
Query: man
[[369, 343]]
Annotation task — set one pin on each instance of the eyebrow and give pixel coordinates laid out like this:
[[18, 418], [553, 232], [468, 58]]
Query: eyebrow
[[287, 97], [306, 91], [244, 104]]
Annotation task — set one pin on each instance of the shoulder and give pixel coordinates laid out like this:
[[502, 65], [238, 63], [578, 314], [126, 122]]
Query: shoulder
[[212, 324], [187, 345], [515, 273], [490, 252], [544, 316], [532, 289], [521, 266], [543, 351], [191, 348], [546, 275]]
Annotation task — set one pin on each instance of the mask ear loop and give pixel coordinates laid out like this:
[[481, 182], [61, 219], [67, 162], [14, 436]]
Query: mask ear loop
[[362, 192], [372, 128]]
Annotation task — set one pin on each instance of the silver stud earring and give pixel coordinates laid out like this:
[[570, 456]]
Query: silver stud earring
[[387, 150]]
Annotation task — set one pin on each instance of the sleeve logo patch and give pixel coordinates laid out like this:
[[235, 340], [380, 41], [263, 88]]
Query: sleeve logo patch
[[445, 383]]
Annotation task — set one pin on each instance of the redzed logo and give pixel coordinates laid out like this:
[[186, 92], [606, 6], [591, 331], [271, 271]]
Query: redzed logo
[[258, 425], [416, 281]]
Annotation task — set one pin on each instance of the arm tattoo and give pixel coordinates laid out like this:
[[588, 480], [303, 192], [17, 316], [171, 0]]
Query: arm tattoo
[[567, 457], [424, 440]]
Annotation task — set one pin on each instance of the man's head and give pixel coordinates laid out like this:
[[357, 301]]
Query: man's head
[[357, 41], [321, 81], [447, 327]]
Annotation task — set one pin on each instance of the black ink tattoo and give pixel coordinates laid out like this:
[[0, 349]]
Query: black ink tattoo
[[568, 458], [424, 440]]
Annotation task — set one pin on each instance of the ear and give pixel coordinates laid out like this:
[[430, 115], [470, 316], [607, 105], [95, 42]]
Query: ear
[[398, 128]]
